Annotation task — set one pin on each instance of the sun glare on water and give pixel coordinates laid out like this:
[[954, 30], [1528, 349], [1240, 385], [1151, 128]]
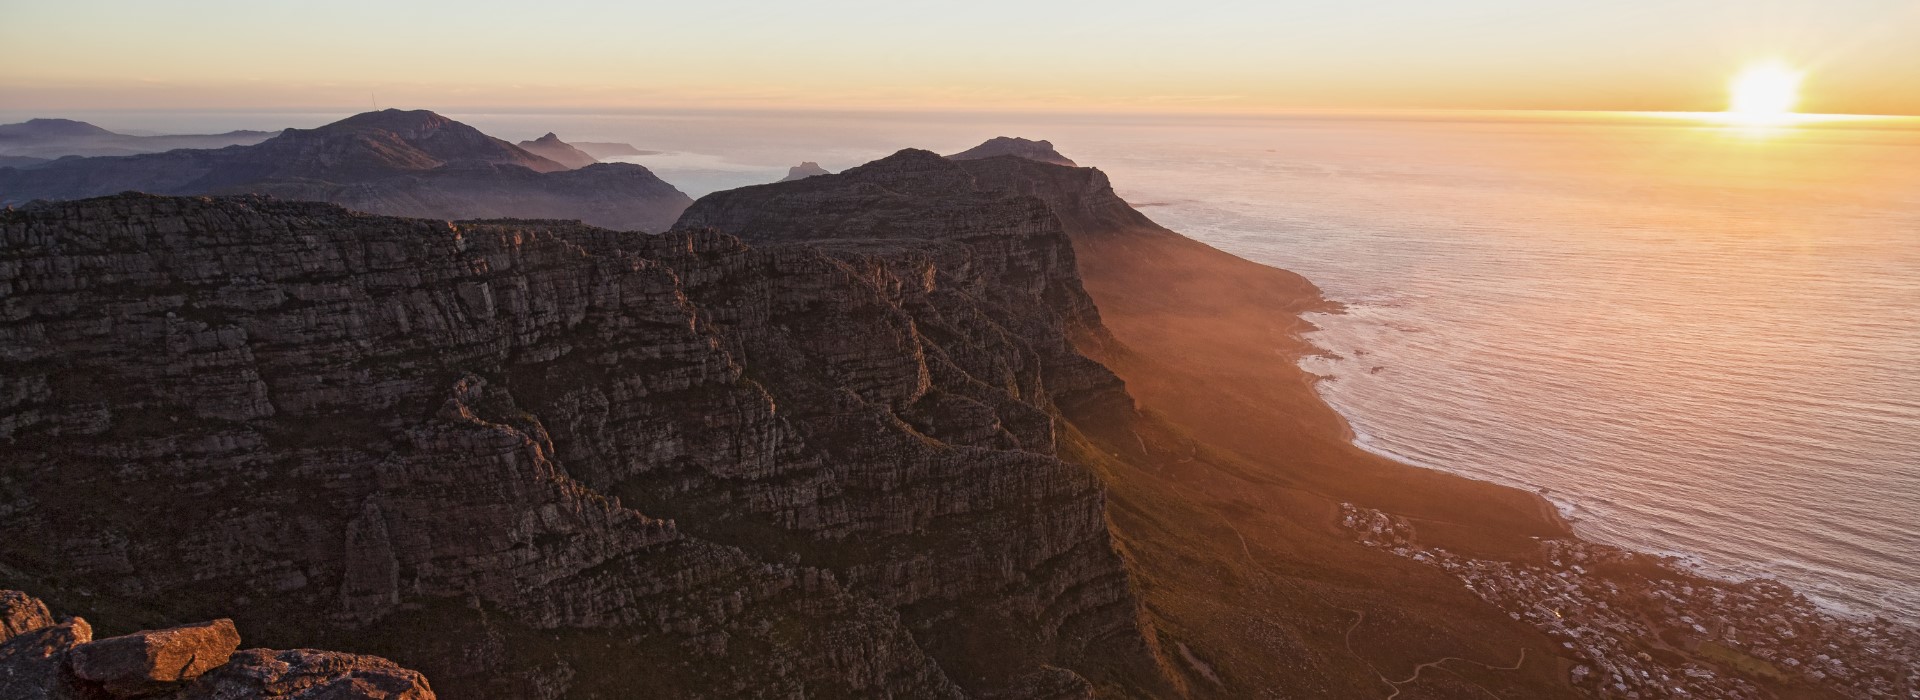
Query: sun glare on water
[[1764, 95]]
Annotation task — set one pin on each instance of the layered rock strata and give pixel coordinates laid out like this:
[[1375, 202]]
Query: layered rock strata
[[541, 459]]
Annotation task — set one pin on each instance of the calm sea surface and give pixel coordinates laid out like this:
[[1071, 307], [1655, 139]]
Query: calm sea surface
[[1698, 340]]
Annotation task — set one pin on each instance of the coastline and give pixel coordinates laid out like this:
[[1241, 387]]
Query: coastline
[[1566, 507], [1241, 454]]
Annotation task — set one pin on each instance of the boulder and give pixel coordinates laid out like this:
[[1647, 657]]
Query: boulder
[[154, 660], [30, 662], [21, 613]]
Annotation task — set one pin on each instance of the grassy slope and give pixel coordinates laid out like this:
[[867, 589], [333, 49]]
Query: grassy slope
[[1226, 488]]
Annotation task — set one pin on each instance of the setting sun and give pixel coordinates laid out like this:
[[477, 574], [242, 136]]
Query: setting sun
[[1765, 93]]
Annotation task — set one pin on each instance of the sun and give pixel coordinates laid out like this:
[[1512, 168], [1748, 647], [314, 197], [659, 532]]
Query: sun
[[1764, 93]]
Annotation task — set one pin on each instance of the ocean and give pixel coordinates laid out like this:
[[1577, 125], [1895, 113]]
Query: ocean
[[1697, 339]]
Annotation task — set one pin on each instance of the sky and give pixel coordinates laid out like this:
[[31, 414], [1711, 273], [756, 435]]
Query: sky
[[1860, 56]]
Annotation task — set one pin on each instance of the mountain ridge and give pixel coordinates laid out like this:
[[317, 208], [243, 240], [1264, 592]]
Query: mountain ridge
[[1041, 151], [552, 148], [399, 162], [51, 138]]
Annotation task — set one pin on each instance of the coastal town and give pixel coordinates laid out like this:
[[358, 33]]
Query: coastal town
[[1643, 626]]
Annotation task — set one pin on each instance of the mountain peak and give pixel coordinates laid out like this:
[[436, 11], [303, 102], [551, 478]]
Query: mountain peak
[[805, 169], [552, 148], [44, 128], [395, 120], [1018, 147]]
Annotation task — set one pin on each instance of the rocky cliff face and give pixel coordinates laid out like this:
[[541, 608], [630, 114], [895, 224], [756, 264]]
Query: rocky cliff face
[[395, 162], [539, 459]]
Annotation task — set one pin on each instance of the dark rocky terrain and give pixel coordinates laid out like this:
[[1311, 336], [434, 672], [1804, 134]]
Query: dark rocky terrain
[[528, 457], [47, 139], [44, 658], [1039, 151], [804, 170], [390, 162], [552, 148]]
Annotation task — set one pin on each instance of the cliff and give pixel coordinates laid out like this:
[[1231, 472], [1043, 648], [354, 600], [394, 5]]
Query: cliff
[[406, 163], [541, 459]]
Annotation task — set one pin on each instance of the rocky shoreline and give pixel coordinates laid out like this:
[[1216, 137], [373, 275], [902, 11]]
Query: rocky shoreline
[[1633, 619]]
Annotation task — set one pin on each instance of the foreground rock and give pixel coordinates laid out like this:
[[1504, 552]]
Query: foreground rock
[[153, 660], [405, 163], [306, 673], [21, 613], [33, 660], [61, 661]]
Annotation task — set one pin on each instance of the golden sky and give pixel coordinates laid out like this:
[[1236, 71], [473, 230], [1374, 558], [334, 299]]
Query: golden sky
[[1860, 56]]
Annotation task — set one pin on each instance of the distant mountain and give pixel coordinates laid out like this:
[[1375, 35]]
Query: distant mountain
[[552, 148], [51, 129], [804, 170], [1010, 146], [19, 161], [403, 163], [47, 139], [607, 149]]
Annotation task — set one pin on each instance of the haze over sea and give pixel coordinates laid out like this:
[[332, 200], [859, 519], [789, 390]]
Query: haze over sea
[[1698, 339]]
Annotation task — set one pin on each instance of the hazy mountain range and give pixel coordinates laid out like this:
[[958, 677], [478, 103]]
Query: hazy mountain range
[[48, 139], [406, 163]]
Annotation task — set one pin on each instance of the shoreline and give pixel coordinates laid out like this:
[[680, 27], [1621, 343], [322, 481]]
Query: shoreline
[[1566, 508], [1230, 487], [1530, 592]]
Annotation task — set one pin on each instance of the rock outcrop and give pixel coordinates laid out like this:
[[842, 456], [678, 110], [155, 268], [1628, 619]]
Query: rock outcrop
[[21, 613], [541, 459], [299, 674], [1041, 151], [33, 652], [150, 661], [406, 163], [62, 661], [805, 169], [552, 148]]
